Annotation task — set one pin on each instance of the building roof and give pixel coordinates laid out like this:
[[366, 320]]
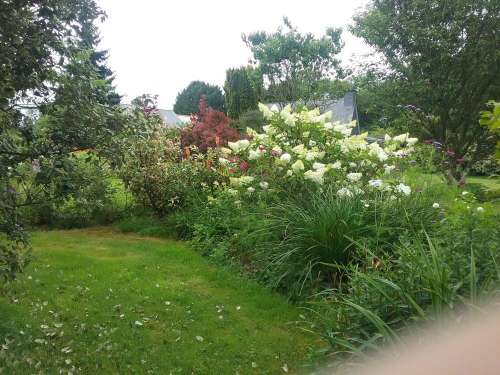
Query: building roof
[[170, 118]]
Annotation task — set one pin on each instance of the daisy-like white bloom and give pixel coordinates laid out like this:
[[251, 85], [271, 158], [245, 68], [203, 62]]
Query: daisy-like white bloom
[[435, 205]]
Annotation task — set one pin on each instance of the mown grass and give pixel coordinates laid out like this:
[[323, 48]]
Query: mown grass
[[99, 302]]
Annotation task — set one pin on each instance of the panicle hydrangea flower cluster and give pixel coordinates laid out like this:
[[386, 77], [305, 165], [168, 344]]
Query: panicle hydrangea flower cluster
[[307, 146]]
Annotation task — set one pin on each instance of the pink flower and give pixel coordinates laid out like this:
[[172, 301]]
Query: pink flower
[[244, 166]]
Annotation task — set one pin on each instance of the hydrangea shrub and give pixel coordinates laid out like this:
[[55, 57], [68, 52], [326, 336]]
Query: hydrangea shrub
[[307, 148]]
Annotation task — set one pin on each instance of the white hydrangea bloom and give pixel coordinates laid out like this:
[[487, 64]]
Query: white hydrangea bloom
[[254, 154], [315, 176], [401, 138], [411, 141], [286, 157], [298, 166], [353, 177], [317, 165], [266, 112], [336, 165]]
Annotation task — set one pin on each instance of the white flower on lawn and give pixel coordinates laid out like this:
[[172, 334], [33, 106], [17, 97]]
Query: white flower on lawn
[[250, 189], [286, 157], [435, 205], [404, 189], [264, 185], [353, 177], [480, 209], [344, 192], [298, 166], [376, 183]]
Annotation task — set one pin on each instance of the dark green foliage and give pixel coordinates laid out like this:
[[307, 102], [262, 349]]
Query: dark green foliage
[[318, 235], [187, 100], [293, 63], [250, 119], [420, 278], [82, 196], [48, 61], [239, 92], [447, 52]]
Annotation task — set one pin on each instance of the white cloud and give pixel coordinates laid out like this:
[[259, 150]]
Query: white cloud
[[158, 47]]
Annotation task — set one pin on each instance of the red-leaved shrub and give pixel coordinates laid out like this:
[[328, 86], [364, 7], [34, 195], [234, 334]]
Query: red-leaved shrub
[[209, 128]]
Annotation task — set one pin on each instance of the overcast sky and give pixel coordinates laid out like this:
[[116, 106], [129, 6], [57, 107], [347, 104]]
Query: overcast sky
[[158, 47]]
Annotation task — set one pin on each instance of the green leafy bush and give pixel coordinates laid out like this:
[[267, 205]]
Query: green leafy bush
[[418, 278], [315, 239], [161, 178], [80, 194]]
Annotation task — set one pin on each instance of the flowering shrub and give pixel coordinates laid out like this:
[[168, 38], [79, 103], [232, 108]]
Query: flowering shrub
[[209, 129], [306, 148], [160, 178]]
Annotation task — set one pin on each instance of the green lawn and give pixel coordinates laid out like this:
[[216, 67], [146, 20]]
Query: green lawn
[[99, 302]]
